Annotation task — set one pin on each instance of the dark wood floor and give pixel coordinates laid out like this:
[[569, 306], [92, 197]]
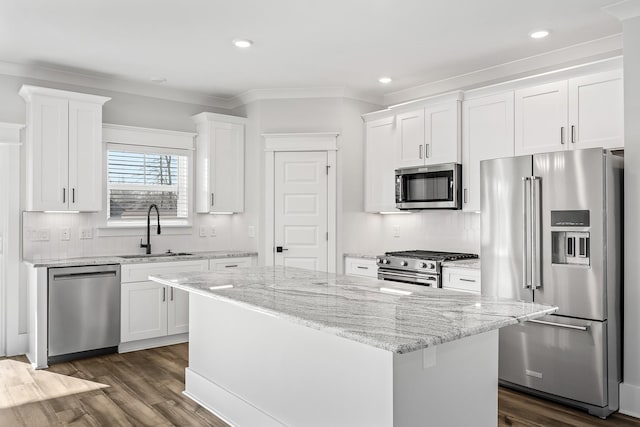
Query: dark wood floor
[[144, 388]]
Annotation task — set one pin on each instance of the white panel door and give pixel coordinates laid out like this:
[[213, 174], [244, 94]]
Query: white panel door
[[177, 311], [596, 111], [442, 133], [487, 134], [380, 165], [85, 156], [50, 151], [541, 119], [300, 203], [143, 311], [410, 138]]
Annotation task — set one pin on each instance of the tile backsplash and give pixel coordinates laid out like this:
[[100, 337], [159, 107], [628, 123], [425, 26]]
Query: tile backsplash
[[61, 235]]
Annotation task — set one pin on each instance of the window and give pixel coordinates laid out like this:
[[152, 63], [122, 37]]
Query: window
[[139, 176]]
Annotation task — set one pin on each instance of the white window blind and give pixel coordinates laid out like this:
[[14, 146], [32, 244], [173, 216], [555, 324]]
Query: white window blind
[[138, 177]]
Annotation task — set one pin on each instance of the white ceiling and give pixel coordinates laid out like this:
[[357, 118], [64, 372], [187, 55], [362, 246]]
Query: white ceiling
[[298, 43]]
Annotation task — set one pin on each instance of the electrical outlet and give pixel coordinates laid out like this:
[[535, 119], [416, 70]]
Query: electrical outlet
[[86, 233], [203, 231], [65, 233], [44, 235], [396, 231], [251, 231], [213, 231]]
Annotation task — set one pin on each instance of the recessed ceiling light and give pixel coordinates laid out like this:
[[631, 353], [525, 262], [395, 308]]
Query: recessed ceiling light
[[384, 80], [540, 34], [242, 43], [158, 79]]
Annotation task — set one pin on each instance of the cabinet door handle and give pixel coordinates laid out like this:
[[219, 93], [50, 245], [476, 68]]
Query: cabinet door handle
[[426, 151], [573, 134], [230, 265], [164, 294], [561, 134], [465, 197], [212, 199], [420, 151], [171, 294], [64, 195], [362, 267], [73, 195], [462, 279]]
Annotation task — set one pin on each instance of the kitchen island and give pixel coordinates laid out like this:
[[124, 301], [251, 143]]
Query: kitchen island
[[275, 346]]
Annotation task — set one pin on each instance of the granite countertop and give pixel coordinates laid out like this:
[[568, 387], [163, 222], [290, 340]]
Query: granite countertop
[[133, 259], [361, 255], [463, 263], [368, 311]]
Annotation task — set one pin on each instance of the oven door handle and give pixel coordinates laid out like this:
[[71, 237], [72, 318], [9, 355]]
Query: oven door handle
[[408, 276]]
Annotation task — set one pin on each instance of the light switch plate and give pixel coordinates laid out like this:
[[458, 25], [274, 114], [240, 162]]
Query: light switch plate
[[203, 231], [251, 231], [86, 233], [396, 231], [213, 231], [65, 233]]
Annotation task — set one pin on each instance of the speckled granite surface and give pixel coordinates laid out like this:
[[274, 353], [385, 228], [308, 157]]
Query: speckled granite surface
[[359, 309], [361, 255], [132, 259], [463, 263]]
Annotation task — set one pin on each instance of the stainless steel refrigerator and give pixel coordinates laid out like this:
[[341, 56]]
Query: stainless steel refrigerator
[[551, 230]]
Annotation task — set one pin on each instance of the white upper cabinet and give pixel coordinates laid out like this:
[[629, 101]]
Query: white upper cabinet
[[442, 134], [582, 112], [219, 163], [63, 150], [380, 164], [487, 133], [410, 138], [429, 136], [596, 111], [541, 118]]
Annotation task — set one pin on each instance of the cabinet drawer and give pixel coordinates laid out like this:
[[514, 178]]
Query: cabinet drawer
[[461, 280], [141, 272], [361, 267], [219, 264]]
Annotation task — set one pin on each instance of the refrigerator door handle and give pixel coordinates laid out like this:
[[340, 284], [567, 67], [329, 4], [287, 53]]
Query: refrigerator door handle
[[536, 226], [526, 181], [560, 325]]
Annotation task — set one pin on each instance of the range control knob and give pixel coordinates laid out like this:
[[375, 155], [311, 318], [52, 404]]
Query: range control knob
[[404, 263], [423, 265], [385, 261]]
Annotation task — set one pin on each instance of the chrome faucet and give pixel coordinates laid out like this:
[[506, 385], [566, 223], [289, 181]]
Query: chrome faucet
[[148, 245]]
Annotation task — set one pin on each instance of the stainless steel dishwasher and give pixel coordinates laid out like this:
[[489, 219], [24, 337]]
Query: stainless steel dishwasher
[[84, 312]]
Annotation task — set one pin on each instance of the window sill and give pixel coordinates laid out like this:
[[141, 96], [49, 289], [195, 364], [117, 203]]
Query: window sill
[[137, 229]]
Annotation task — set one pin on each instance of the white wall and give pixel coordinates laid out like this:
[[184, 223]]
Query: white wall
[[630, 389]]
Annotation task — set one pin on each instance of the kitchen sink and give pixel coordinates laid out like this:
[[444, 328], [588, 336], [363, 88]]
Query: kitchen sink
[[172, 254]]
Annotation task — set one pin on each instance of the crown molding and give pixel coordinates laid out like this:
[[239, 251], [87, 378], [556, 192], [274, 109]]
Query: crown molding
[[302, 93], [624, 10], [110, 83], [594, 50], [27, 92], [206, 117]]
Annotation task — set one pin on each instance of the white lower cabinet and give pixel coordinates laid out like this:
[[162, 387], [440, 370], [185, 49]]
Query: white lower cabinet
[[461, 279], [149, 309], [361, 267]]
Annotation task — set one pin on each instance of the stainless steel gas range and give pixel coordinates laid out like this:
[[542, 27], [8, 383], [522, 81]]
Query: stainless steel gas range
[[417, 267]]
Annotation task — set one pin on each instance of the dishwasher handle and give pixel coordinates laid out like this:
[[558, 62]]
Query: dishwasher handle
[[93, 274]]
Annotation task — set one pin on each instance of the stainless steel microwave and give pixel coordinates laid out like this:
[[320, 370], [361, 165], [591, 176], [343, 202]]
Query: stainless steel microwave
[[429, 187]]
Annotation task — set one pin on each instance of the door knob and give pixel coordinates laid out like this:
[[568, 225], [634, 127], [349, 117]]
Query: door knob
[[280, 249]]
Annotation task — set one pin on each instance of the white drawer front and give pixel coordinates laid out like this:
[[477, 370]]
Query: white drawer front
[[141, 272], [361, 267], [222, 263], [461, 279]]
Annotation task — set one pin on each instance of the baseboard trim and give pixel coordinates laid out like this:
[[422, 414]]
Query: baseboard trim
[[127, 347], [225, 405], [630, 400]]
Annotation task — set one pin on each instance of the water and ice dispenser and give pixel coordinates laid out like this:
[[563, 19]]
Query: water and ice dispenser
[[569, 240]]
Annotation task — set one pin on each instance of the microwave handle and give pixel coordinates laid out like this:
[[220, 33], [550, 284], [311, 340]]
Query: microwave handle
[[399, 195]]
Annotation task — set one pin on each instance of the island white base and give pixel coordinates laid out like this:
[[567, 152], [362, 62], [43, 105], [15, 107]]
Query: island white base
[[252, 368]]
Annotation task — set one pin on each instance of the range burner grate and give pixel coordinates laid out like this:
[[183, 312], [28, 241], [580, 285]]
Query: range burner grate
[[432, 255]]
